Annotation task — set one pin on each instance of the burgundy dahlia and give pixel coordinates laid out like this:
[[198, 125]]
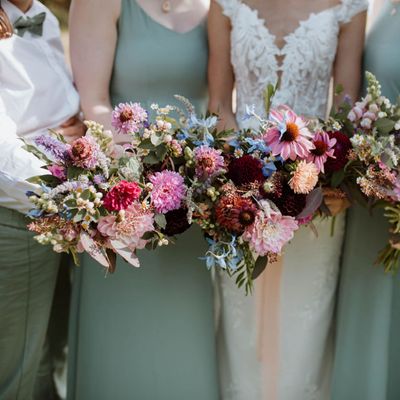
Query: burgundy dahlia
[[341, 150], [245, 170], [121, 196], [235, 213], [288, 202], [177, 222]]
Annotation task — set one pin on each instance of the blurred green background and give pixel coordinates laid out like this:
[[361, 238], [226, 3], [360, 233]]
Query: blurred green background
[[60, 9]]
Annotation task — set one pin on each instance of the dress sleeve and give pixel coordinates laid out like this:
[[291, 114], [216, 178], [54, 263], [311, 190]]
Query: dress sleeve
[[228, 6], [350, 8]]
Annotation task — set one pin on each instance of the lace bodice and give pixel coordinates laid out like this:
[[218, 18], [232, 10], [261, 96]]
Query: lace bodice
[[307, 57]]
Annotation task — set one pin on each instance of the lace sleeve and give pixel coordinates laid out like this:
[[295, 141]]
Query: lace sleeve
[[228, 6], [350, 8]]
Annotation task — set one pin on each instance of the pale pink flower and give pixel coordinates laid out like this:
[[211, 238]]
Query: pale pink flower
[[304, 178], [168, 191], [129, 118], [107, 226], [209, 162], [128, 227], [290, 137], [269, 233], [85, 153], [324, 148], [370, 115], [356, 113]]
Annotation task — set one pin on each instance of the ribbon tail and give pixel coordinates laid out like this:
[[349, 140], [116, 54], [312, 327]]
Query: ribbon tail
[[268, 324]]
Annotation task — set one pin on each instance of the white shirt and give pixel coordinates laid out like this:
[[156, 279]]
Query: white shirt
[[36, 94]]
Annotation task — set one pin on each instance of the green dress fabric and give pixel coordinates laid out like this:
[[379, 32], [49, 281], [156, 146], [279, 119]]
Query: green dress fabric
[[367, 361], [148, 333]]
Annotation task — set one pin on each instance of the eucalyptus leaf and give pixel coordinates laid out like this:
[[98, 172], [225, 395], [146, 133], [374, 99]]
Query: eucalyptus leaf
[[36, 152], [156, 139], [73, 173], [79, 216], [313, 202], [146, 144], [161, 152], [259, 266], [384, 125], [151, 159], [269, 93], [161, 221], [337, 178], [49, 180]]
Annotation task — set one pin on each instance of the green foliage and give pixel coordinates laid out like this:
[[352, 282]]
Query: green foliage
[[60, 9]]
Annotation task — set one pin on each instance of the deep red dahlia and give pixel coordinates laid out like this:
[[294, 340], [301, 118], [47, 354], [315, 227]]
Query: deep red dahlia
[[341, 149], [177, 222], [235, 213], [288, 202], [245, 170], [121, 196]]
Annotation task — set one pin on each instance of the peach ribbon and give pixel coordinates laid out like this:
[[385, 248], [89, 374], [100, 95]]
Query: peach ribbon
[[268, 322]]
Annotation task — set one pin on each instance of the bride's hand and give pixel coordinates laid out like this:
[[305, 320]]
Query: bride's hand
[[336, 203]]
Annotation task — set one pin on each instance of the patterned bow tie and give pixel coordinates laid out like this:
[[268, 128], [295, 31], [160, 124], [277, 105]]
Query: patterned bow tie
[[30, 24]]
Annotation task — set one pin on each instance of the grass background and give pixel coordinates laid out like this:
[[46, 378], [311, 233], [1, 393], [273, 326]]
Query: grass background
[[60, 9]]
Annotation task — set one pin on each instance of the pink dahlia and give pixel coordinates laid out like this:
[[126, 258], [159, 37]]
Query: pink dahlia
[[209, 162], [168, 191], [324, 148], [121, 196], [304, 178], [270, 233], [85, 152], [128, 229], [129, 118], [290, 137], [136, 222], [58, 171], [107, 226]]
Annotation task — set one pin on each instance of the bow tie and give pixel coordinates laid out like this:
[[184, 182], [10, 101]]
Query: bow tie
[[30, 24]]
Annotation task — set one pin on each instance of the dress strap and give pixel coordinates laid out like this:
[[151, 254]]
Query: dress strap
[[350, 8], [228, 6]]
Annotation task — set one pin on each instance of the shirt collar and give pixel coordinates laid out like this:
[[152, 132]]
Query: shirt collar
[[14, 12]]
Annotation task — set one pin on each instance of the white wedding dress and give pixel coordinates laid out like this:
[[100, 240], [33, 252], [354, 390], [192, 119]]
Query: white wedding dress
[[280, 347]]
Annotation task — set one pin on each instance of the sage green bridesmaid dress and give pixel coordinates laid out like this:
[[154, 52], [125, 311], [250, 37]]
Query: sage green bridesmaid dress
[[147, 333], [367, 362]]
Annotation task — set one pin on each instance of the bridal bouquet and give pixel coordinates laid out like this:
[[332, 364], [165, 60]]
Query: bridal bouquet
[[374, 166], [249, 192]]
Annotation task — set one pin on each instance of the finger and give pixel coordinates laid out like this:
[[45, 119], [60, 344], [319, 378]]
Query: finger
[[68, 122]]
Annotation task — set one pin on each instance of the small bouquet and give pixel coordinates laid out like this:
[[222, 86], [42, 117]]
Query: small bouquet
[[374, 166], [108, 199], [248, 191]]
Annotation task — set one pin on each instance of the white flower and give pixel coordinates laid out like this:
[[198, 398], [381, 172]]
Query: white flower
[[373, 108], [167, 138], [382, 114], [397, 126], [366, 123]]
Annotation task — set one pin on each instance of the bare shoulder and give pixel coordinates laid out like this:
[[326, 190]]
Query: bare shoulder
[[98, 8]]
